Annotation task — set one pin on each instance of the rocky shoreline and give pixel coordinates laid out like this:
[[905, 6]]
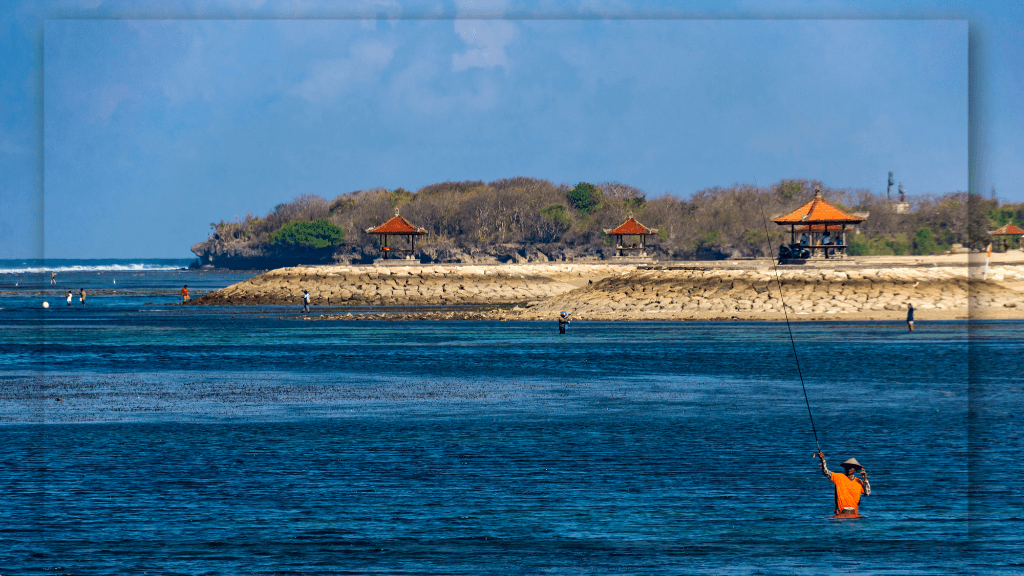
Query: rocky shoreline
[[843, 290], [412, 285]]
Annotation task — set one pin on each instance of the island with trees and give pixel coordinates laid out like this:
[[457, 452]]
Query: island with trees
[[533, 220]]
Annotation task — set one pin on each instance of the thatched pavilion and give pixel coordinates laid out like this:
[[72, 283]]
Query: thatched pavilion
[[817, 218], [1005, 233], [396, 226], [631, 227]]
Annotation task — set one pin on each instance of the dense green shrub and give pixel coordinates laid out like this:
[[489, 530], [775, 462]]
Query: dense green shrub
[[789, 190], [318, 234], [399, 197], [879, 246], [924, 242], [558, 214], [634, 204], [584, 197]]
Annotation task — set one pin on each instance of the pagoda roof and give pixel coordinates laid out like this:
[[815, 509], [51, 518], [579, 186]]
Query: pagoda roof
[[398, 226], [1008, 230], [816, 228], [818, 211], [630, 227]]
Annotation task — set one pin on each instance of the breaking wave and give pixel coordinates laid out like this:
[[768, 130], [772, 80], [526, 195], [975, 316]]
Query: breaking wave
[[37, 266]]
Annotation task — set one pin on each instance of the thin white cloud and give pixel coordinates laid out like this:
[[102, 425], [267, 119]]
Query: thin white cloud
[[411, 89], [330, 79], [486, 41], [108, 99], [196, 74]]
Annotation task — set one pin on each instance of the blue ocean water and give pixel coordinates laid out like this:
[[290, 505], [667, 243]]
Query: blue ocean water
[[228, 440]]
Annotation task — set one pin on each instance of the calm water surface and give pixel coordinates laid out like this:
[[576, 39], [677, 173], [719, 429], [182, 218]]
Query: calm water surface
[[219, 440]]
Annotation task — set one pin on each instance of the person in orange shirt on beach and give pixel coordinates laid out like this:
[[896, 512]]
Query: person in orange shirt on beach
[[184, 294], [848, 488]]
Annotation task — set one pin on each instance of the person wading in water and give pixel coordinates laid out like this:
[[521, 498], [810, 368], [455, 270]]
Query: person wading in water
[[563, 319], [910, 317], [848, 488]]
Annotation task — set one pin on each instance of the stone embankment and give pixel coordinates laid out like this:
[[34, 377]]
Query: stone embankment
[[412, 285], [624, 292], [862, 293]]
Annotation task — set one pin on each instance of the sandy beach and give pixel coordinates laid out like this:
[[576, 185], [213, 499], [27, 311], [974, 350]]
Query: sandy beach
[[865, 288]]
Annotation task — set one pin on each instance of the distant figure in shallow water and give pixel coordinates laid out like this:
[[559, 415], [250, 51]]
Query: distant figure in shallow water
[[563, 319], [184, 294], [69, 297], [53, 277], [305, 301], [81, 296], [910, 317], [848, 488]]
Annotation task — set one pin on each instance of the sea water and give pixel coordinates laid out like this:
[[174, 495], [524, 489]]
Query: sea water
[[141, 436]]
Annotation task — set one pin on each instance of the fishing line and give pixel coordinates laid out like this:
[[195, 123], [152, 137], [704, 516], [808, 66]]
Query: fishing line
[[792, 341]]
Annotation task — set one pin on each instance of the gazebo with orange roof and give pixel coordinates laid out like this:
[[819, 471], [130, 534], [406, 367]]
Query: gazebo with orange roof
[[1009, 229], [819, 217], [396, 226], [631, 227]]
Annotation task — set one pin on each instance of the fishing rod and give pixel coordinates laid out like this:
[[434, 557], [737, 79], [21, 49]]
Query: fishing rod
[[792, 341]]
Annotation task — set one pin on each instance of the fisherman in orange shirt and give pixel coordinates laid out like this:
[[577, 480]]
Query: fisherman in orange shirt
[[184, 294], [848, 487]]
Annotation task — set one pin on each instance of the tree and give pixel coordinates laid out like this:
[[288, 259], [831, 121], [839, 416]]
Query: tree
[[924, 242], [400, 197], [789, 190], [558, 214], [978, 223], [317, 234], [584, 197]]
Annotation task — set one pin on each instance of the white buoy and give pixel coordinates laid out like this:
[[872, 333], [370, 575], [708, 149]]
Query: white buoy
[[46, 304]]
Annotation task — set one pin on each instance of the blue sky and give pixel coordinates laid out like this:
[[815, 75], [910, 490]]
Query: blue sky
[[157, 121]]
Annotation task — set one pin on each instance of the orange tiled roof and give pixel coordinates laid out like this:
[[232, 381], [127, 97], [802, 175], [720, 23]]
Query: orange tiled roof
[[818, 211], [817, 228], [631, 226], [397, 225], [1009, 230]]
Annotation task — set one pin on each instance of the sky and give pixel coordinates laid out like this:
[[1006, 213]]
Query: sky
[[125, 130]]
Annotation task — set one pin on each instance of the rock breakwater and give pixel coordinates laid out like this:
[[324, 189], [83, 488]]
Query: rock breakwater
[[412, 285], [754, 294], [617, 292]]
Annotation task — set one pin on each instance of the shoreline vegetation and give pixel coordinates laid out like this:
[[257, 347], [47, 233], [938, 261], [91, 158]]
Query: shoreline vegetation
[[945, 287], [528, 220]]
